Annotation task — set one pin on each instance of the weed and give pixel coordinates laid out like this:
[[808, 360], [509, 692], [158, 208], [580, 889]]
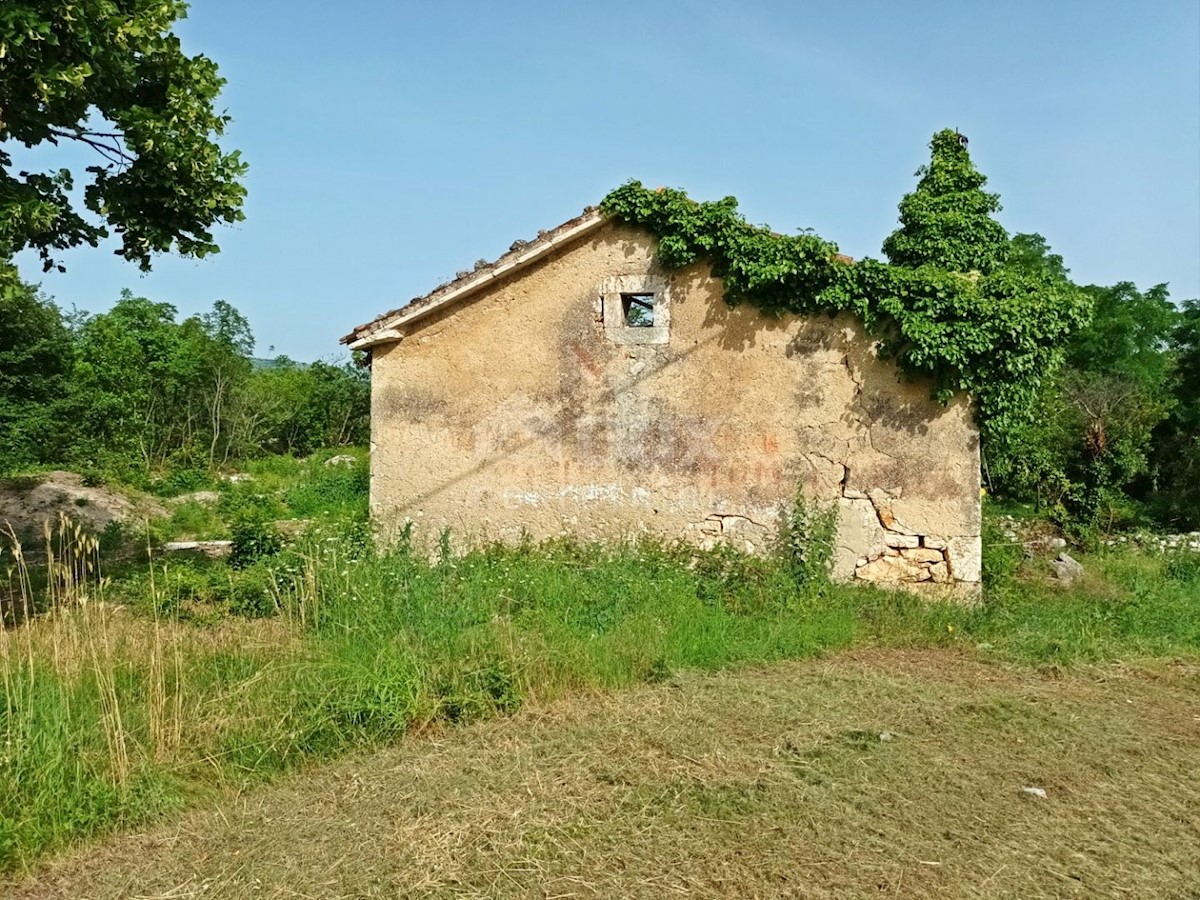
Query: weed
[[340, 488], [805, 540], [181, 481], [1183, 566], [253, 540], [1001, 555]]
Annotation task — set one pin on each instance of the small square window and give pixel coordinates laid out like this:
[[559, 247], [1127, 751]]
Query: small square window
[[637, 310]]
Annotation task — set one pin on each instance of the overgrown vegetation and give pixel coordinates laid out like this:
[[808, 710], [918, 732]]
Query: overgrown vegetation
[[1086, 396], [948, 308], [135, 696], [866, 774]]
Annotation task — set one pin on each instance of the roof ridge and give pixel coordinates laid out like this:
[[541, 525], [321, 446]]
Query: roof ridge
[[382, 329]]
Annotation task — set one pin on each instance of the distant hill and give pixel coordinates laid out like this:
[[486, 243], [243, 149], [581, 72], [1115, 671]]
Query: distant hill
[[279, 362]]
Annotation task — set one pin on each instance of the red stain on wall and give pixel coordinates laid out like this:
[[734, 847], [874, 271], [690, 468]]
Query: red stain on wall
[[586, 359]]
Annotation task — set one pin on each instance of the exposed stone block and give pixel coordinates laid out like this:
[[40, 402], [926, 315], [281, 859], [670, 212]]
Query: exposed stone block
[[923, 555], [964, 553], [892, 570]]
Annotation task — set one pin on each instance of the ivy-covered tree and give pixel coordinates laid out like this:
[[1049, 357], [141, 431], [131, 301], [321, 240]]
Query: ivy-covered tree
[[947, 308], [111, 75], [947, 221]]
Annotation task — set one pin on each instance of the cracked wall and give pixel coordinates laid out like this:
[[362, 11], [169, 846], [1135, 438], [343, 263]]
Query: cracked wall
[[513, 413]]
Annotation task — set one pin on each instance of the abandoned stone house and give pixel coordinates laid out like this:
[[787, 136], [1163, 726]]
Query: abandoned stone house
[[575, 386]]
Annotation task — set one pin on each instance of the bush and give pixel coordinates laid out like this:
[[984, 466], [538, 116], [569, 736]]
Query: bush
[[113, 538], [244, 501], [204, 590], [251, 594], [182, 481], [726, 575], [253, 539]]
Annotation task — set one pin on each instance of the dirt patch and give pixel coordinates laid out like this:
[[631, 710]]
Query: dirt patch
[[773, 782], [27, 504]]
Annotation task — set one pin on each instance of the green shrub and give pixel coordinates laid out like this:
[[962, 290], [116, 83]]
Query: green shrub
[[113, 538], [188, 589], [726, 575], [251, 592], [246, 501], [91, 477], [253, 539], [486, 691], [182, 481]]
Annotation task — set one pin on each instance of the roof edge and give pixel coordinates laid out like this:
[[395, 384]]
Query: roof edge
[[383, 329]]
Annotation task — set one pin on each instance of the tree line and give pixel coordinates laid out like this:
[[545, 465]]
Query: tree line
[[1114, 439], [137, 391]]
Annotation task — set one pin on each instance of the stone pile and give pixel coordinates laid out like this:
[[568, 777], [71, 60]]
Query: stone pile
[[1036, 539], [908, 564], [1163, 543], [906, 557]]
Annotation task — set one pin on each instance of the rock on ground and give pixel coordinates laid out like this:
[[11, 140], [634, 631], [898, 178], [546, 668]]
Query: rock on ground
[[1066, 568]]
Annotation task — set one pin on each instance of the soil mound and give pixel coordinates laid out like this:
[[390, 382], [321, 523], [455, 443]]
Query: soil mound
[[28, 503]]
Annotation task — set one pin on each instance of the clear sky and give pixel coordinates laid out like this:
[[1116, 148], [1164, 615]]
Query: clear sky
[[392, 143]]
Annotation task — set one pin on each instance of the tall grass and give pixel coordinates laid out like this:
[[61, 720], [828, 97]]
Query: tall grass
[[112, 714]]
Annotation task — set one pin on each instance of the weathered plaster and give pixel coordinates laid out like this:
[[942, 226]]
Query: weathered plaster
[[516, 412]]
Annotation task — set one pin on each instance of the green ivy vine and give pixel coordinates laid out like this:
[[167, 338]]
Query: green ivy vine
[[948, 306]]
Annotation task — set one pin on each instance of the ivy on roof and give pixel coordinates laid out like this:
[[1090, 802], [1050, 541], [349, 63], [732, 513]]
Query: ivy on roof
[[948, 306]]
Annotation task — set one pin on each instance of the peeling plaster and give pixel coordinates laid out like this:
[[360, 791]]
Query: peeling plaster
[[515, 412]]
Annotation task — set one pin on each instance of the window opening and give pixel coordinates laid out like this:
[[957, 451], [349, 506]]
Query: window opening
[[638, 310]]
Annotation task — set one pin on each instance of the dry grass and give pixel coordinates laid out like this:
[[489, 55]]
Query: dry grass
[[763, 783]]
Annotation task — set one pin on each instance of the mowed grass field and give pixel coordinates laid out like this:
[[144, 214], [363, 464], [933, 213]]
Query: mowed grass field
[[867, 773]]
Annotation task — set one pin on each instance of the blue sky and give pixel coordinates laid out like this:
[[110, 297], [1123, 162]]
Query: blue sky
[[392, 143]]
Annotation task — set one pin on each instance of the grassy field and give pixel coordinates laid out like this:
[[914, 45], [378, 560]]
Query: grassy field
[[180, 683], [763, 782]]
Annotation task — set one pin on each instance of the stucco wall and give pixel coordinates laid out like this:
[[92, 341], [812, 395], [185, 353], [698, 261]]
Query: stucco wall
[[514, 412]]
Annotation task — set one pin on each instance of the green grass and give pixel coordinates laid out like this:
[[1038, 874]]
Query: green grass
[[110, 716], [765, 781]]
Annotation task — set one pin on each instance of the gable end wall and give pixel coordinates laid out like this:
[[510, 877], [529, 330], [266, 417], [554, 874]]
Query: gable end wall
[[516, 412]]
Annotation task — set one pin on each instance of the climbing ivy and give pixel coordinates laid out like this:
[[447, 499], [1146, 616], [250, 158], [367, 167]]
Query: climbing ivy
[[947, 221], [947, 307]]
